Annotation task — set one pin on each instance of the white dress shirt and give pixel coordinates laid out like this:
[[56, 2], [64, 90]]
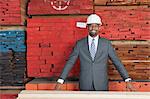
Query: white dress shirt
[[96, 44], [95, 41]]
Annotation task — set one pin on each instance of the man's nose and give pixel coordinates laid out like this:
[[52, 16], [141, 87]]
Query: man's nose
[[93, 28]]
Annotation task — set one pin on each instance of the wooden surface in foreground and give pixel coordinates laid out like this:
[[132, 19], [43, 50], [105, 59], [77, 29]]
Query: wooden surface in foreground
[[30, 94]]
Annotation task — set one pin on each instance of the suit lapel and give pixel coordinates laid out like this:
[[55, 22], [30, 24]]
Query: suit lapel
[[86, 49], [99, 48]]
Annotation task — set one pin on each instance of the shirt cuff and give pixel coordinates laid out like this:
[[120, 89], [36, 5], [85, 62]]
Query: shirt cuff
[[128, 79], [60, 81]]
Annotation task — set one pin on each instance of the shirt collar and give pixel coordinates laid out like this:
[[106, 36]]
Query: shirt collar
[[91, 38]]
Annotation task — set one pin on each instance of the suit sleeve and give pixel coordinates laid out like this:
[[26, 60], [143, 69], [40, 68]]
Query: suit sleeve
[[116, 61], [71, 61]]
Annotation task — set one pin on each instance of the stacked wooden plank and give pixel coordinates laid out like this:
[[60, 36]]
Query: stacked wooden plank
[[10, 12], [12, 57], [49, 45], [9, 94], [43, 7], [12, 40], [125, 23], [47, 84], [121, 2], [136, 70], [136, 58], [126, 50]]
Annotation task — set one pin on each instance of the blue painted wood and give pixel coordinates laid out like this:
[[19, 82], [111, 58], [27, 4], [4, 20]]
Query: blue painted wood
[[12, 40], [12, 58]]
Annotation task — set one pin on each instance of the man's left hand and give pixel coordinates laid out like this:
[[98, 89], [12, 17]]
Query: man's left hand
[[130, 86]]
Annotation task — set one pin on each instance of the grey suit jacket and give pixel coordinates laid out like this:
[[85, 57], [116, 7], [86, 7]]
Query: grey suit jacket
[[94, 72]]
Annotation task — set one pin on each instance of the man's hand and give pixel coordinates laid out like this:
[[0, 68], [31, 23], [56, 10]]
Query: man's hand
[[130, 86], [58, 86]]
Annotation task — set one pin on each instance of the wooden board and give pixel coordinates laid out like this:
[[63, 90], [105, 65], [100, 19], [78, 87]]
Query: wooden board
[[26, 94]]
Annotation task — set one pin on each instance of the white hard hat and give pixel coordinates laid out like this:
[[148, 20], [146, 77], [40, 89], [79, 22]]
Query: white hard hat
[[93, 18]]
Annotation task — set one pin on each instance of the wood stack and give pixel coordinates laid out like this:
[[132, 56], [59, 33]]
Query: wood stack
[[49, 44], [45, 7], [121, 2], [135, 56], [9, 94], [49, 84], [10, 12], [124, 23], [12, 57]]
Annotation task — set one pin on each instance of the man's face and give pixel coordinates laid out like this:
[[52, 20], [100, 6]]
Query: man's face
[[93, 29]]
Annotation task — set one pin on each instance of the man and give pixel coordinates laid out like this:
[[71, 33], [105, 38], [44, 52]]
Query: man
[[93, 52]]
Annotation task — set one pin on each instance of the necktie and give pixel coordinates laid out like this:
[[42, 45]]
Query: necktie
[[93, 49]]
